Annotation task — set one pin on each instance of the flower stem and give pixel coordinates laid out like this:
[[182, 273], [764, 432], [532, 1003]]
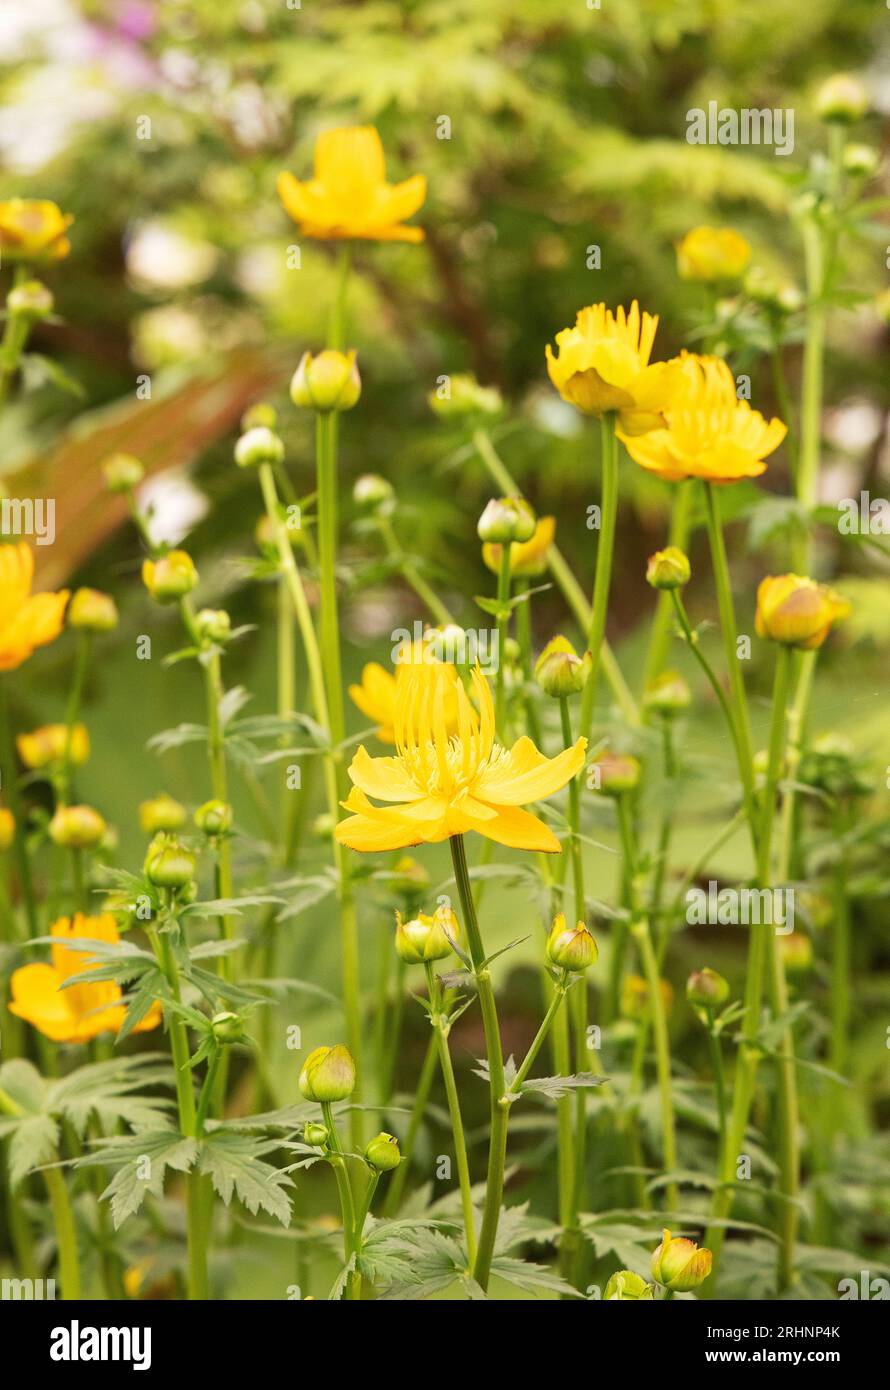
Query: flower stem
[[66, 1233], [441, 1028], [719, 1082], [559, 994], [421, 1096], [603, 571], [497, 1149], [678, 535], [503, 628], [578, 1002], [16, 806], [347, 1205], [411, 574]]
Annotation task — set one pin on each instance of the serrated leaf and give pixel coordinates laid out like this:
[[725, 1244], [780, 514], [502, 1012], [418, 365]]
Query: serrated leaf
[[34, 1141], [235, 1165]]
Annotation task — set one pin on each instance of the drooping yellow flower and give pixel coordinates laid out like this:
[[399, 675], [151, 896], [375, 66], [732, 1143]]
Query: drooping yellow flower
[[349, 195], [82, 1011], [26, 620], [796, 611], [439, 785], [712, 253], [33, 230], [526, 557], [603, 365], [708, 432], [48, 744]]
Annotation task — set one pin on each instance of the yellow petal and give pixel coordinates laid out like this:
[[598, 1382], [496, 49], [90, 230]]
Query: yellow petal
[[527, 775]]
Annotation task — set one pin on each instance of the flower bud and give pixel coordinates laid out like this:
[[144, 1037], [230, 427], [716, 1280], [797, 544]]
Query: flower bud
[[679, 1265], [528, 559], [7, 828], [797, 612], [409, 877], [214, 817], [227, 1028], [258, 446], [861, 160], [327, 381], [122, 472], [831, 764], [315, 1134], [373, 493], [213, 625], [32, 301], [614, 773], [50, 743], [667, 694], [161, 813], [706, 989], [712, 254], [465, 397], [635, 997], [842, 98], [560, 671], [383, 1152], [328, 1074], [778, 296], [77, 827], [668, 568], [426, 938], [570, 948], [797, 952], [626, 1286], [168, 863], [262, 415], [171, 577], [92, 611], [507, 519]]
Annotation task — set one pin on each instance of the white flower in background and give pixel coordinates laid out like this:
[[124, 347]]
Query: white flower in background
[[161, 258], [261, 271], [175, 504], [854, 425], [167, 335]]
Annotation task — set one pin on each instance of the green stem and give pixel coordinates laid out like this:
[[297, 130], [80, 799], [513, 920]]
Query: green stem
[[603, 571], [559, 994], [337, 321], [75, 698], [411, 574], [578, 1003], [66, 1233], [441, 1025], [719, 1081], [497, 1150], [524, 638], [678, 535], [16, 806], [421, 1096], [503, 628], [347, 1204]]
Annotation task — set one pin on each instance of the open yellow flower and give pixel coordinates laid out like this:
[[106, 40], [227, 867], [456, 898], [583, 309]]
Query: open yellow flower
[[349, 196], [82, 1011], [712, 253], [33, 230], [439, 785], [797, 611], [376, 695], [603, 365], [708, 433], [26, 620], [526, 557]]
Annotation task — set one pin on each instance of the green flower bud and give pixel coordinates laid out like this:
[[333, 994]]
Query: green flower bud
[[161, 813], [214, 817], [258, 446], [213, 625], [122, 472], [426, 938], [171, 577], [77, 827], [464, 396], [861, 160], [409, 877], [507, 519], [560, 671], [262, 415], [373, 494], [383, 1152], [328, 1074], [315, 1134], [570, 948], [92, 611], [668, 569], [842, 98], [168, 863], [32, 301], [626, 1286], [614, 773], [227, 1028], [667, 694], [327, 381], [778, 296], [679, 1265], [635, 997], [706, 989], [797, 952]]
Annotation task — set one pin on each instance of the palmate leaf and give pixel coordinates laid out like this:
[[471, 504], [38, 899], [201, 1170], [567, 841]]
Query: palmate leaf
[[525, 1275], [33, 1143], [106, 1090], [141, 1162], [555, 1087], [235, 1164]]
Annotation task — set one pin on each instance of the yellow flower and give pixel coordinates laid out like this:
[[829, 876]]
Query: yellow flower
[[712, 253], [7, 828], [526, 557], [440, 785], [349, 196], [797, 612], [33, 230], [48, 744], [376, 696], [709, 433], [603, 365], [82, 1011], [26, 620]]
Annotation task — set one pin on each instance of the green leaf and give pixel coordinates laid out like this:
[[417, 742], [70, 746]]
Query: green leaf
[[34, 1141], [141, 1162], [235, 1165]]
